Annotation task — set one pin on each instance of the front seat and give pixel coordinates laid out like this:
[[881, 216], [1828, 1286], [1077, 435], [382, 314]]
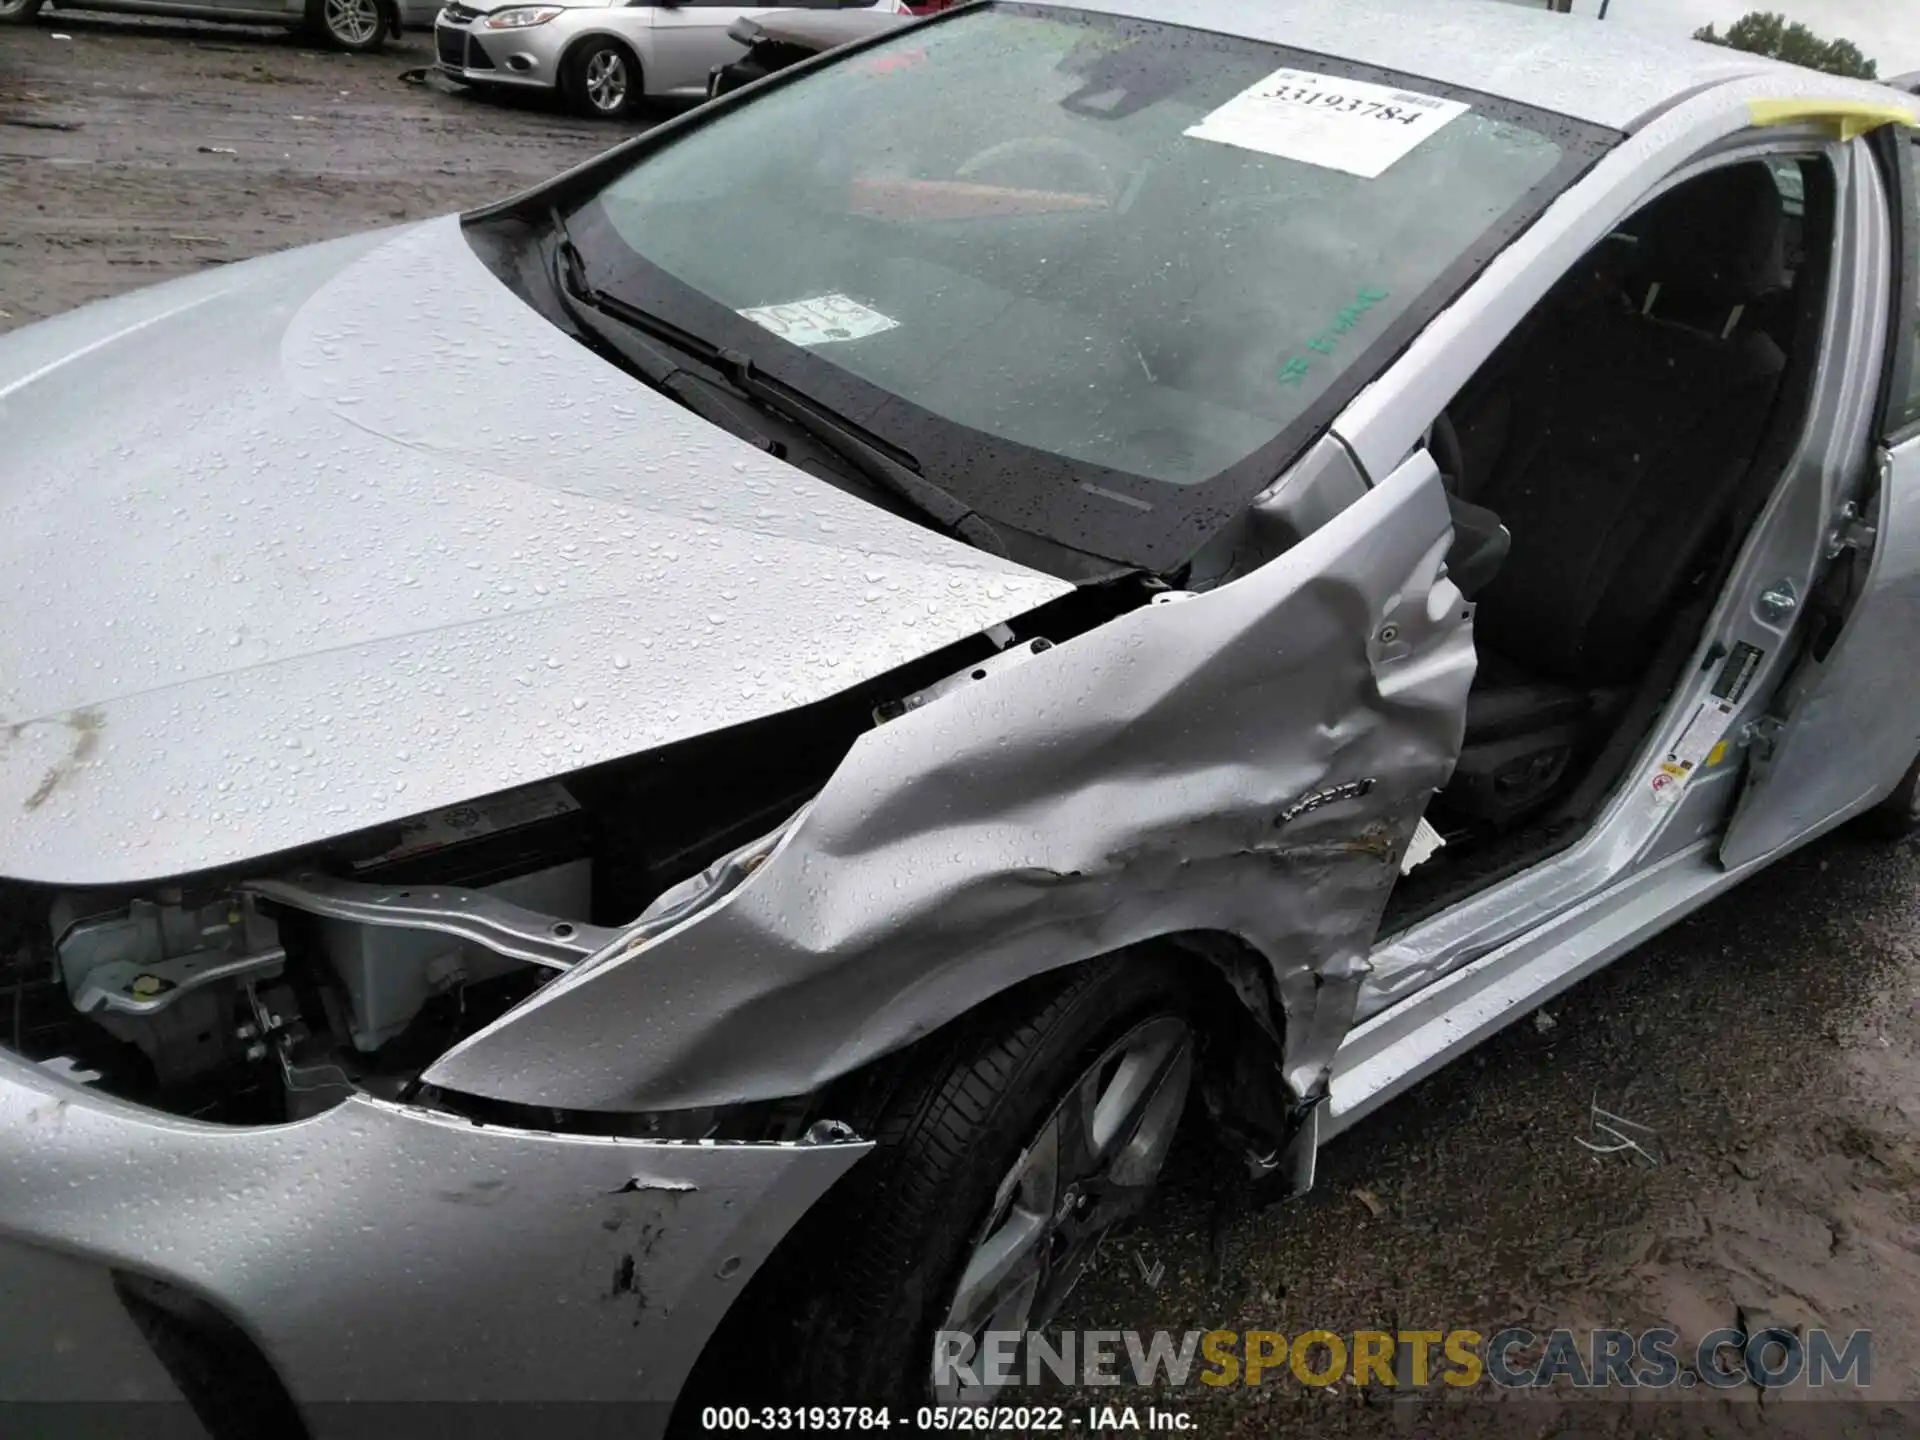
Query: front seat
[[1624, 425]]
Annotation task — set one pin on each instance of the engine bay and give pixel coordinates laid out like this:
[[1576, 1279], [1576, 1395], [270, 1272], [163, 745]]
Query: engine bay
[[263, 999]]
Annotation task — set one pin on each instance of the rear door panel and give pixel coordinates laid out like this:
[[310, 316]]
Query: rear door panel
[[1849, 722]]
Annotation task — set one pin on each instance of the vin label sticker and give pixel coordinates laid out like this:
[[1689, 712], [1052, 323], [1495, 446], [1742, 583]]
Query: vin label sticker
[[1700, 738], [1348, 125], [1736, 673]]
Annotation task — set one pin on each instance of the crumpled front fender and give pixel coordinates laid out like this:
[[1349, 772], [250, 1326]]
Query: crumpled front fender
[[1252, 760]]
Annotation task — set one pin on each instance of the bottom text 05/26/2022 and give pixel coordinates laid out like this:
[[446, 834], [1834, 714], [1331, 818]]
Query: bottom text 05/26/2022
[[1021, 1419]]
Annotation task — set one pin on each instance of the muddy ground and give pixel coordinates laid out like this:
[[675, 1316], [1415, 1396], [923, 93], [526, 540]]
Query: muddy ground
[[1769, 1044]]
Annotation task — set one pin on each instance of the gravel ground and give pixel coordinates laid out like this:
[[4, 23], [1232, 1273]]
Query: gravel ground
[[1768, 1043], [138, 150]]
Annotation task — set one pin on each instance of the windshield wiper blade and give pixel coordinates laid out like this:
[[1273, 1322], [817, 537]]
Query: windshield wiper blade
[[872, 457]]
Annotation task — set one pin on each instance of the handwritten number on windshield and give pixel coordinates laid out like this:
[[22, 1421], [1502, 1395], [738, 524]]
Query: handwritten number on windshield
[[1296, 368]]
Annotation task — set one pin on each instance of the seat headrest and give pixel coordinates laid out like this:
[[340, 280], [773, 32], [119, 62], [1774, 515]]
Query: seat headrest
[[1721, 237]]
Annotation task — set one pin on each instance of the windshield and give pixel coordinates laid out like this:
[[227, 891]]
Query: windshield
[[1099, 277]]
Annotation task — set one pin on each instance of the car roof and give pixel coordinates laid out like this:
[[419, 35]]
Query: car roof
[[1598, 71]]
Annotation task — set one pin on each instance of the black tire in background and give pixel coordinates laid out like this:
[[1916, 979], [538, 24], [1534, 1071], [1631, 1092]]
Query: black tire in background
[[601, 77], [729, 78], [763, 57], [845, 1312], [19, 12], [355, 26], [1897, 816]]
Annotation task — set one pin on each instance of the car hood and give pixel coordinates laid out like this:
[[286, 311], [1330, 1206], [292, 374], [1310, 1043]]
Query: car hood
[[343, 535]]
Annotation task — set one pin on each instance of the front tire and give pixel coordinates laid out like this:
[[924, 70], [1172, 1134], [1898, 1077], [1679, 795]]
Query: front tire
[[355, 26], [1001, 1157], [19, 12], [601, 78]]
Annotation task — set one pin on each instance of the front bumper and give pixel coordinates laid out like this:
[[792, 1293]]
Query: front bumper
[[381, 1253], [465, 51]]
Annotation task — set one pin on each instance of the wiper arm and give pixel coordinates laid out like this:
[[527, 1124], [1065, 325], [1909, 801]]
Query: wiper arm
[[872, 457], [863, 450], [573, 269], [653, 365]]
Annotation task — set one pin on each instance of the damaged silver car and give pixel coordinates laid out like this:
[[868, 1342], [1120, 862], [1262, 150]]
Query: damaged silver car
[[1055, 575]]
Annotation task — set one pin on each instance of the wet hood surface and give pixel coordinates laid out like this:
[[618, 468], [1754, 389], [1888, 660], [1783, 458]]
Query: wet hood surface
[[343, 535]]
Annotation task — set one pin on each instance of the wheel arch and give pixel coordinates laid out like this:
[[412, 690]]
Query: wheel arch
[[1236, 1007], [573, 47], [1235, 1012]]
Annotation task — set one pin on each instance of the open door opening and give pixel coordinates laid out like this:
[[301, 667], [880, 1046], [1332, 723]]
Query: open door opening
[[1606, 464]]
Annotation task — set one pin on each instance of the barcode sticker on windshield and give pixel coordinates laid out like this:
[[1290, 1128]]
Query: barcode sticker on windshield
[[1346, 125], [820, 321]]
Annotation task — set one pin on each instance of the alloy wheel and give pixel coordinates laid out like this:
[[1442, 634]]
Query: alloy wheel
[[1093, 1163], [352, 22], [606, 81]]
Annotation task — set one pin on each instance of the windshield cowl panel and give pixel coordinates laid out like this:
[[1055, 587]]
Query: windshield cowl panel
[[1102, 278]]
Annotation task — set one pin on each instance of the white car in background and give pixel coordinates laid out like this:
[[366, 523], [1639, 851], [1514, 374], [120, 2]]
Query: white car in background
[[604, 58]]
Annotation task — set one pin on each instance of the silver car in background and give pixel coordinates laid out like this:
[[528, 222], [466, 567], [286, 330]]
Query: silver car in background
[[352, 25], [603, 58]]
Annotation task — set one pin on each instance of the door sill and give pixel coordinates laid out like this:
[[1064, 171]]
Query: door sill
[[1404, 1044]]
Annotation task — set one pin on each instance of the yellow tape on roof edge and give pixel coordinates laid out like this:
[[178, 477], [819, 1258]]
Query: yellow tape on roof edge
[[1847, 119]]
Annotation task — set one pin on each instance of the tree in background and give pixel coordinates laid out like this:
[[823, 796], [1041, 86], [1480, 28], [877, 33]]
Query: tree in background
[[1762, 32]]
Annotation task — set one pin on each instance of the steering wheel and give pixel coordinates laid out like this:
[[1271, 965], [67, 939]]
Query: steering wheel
[[1043, 148], [1443, 440]]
